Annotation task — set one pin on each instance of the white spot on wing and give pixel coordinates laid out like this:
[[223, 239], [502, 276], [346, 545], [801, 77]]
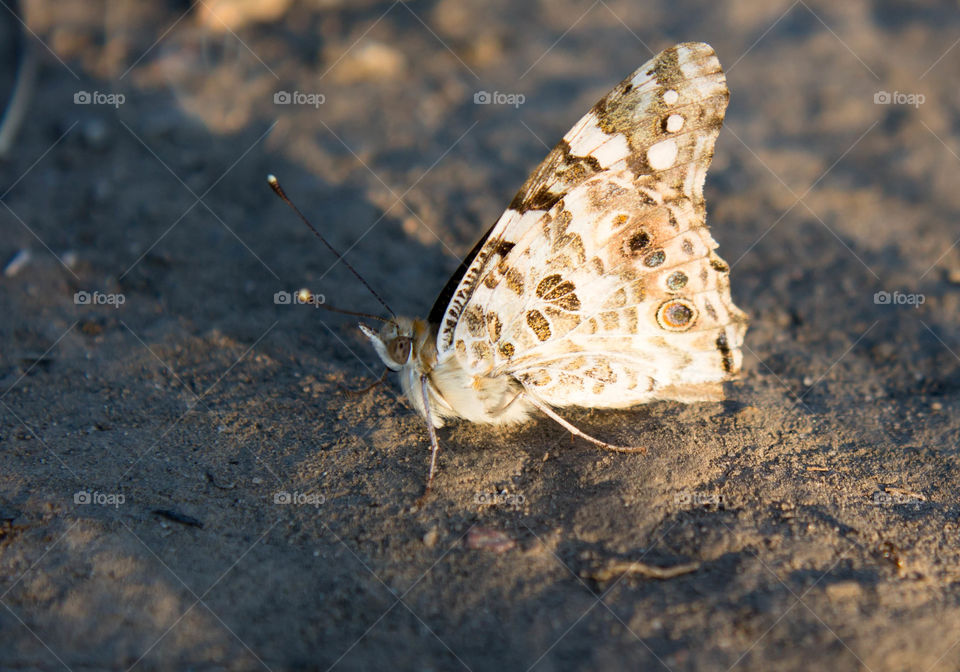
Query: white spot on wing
[[586, 138], [613, 150], [662, 155], [697, 175], [674, 123], [692, 69], [641, 79], [528, 219], [670, 97], [586, 120]]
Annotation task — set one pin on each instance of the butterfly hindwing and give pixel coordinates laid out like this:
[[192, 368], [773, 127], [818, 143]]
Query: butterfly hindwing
[[615, 298]]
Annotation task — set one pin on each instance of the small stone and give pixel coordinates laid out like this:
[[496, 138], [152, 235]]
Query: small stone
[[936, 406], [844, 590], [17, 262], [371, 61], [954, 276], [487, 539], [430, 538], [807, 381], [257, 480], [224, 16]]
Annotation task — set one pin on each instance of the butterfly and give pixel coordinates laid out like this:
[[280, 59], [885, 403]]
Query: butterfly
[[599, 285]]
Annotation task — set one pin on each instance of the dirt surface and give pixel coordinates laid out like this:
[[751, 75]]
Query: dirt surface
[[150, 448]]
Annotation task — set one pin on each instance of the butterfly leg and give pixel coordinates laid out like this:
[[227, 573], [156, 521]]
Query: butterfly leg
[[549, 412], [503, 409], [434, 444], [362, 390]]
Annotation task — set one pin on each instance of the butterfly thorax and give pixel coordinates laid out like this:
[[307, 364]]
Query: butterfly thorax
[[409, 346]]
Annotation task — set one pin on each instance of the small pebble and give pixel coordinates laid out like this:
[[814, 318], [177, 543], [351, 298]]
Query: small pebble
[[808, 381], [936, 406], [430, 538], [843, 590], [487, 539], [70, 259], [17, 262], [371, 61], [257, 480], [222, 16]]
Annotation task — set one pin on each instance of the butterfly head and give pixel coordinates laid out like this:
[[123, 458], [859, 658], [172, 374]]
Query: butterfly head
[[399, 342]]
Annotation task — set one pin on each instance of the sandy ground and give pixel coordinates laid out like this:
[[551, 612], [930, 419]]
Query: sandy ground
[[149, 449]]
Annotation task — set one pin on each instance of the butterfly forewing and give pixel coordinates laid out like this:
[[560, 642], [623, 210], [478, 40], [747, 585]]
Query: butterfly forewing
[[633, 126], [681, 91]]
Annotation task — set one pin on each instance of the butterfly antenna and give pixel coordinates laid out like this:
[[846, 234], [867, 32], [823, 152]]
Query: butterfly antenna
[[353, 312], [275, 185]]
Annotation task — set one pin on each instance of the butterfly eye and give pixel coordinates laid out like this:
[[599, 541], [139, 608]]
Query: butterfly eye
[[399, 349]]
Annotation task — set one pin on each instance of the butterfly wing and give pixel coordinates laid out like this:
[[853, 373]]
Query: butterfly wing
[[627, 129], [612, 295]]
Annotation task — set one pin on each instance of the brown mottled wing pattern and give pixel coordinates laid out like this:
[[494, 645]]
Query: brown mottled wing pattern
[[615, 133], [600, 286], [623, 301]]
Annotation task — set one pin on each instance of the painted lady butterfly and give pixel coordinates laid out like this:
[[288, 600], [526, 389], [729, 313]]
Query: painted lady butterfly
[[599, 286]]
